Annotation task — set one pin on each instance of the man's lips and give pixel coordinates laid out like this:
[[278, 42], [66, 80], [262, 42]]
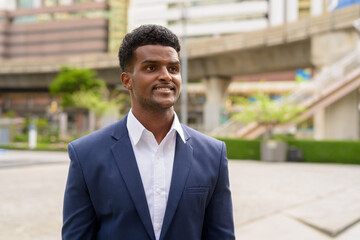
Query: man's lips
[[164, 88]]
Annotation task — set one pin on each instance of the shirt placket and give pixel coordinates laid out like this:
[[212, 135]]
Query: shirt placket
[[159, 187]]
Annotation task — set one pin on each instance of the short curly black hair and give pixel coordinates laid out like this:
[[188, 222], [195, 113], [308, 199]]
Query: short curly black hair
[[145, 35]]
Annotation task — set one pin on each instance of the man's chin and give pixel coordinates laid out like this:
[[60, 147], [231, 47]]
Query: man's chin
[[165, 104], [161, 105]]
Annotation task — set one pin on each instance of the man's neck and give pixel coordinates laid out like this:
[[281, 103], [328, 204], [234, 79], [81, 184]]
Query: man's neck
[[157, 122]]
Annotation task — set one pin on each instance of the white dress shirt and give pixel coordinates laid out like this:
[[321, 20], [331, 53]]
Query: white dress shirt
[[155, 163]]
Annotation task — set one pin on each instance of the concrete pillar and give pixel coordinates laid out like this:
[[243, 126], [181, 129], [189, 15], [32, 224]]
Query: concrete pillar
[[63, 124], [92, 121], [292, 10], [317, 8], [216, 93], [283, 11], [276, 12], [341, 119], [319, 125]]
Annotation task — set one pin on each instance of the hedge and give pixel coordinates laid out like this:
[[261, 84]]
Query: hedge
[[328, 151], [313, 151], [242, 149], [347, 152], [39, 147]]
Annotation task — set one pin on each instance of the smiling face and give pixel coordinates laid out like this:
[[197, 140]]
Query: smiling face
[[155, 80]]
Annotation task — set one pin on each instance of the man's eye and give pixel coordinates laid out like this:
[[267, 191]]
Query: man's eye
[[174, 69], [150, 68]]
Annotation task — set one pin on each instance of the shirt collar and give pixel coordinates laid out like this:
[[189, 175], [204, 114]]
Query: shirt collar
[[136, 129], [177, 126]]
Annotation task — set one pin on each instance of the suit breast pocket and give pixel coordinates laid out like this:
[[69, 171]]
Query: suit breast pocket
[[196, 190], [195, 198]]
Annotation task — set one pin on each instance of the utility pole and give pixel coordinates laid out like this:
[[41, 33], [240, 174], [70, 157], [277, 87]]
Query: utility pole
[[184, 66]]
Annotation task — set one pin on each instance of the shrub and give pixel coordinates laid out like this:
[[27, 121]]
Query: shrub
[[266, 112], [20, 137]]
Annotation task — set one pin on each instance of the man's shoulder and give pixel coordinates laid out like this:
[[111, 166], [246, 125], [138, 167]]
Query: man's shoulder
[[99, 137], [197, 136], [206, 149]]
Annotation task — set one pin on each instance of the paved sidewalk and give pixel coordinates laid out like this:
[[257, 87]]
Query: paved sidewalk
[[282, 201], [291, 201], [13, 158]]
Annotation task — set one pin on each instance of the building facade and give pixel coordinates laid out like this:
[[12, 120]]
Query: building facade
[[35, 32]]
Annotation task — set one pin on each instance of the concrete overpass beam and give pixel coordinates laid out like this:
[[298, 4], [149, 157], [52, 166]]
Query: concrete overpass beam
[[216, 93], [328, 47]]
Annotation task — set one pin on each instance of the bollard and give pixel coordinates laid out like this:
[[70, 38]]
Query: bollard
[[32, 136]]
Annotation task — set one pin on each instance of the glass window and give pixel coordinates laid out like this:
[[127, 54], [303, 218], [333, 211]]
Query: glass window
[[50, 3], [37, 3], [24, 4], [65, 2]]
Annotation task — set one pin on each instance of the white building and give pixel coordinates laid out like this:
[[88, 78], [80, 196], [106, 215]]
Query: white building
[[215, 17]]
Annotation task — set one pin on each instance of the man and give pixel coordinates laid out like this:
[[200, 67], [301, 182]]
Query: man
[[147, 176]]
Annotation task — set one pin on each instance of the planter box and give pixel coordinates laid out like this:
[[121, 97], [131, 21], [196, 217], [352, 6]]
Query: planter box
[[273, 151]]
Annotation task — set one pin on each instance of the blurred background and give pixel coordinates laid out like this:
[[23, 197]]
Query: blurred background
[[253, 70], [289, 51]]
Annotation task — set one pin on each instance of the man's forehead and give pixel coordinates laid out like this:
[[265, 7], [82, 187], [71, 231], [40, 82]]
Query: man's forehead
[[149, 51]]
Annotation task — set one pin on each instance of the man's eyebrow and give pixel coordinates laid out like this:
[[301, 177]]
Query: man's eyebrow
[[174, 63], [149, 61], [153, 61]]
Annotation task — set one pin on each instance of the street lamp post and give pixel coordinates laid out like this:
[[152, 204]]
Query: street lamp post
[[184, 66]]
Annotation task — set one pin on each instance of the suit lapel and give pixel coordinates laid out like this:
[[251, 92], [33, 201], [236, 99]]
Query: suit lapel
[[126, 162], [181, 168]]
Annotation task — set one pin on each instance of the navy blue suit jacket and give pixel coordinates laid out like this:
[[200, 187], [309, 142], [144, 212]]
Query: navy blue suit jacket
[[105, 198]]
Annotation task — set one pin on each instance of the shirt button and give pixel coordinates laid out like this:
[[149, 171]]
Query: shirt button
[[158, 191], [159, 227]]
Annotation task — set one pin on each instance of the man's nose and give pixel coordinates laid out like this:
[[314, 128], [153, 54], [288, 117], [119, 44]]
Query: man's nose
[[165, 75]]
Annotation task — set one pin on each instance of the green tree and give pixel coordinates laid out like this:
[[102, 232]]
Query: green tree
[[71, 80], [266, 112], [80, 88]]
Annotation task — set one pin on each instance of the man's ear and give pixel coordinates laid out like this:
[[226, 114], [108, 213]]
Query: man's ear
[[126, 80]]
